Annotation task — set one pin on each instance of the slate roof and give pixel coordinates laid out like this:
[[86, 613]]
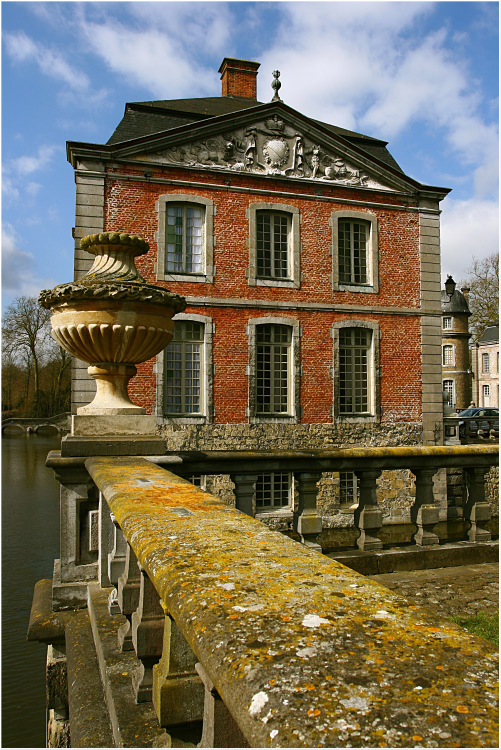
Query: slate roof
[[146, 118], [456, 304], [490, 335]]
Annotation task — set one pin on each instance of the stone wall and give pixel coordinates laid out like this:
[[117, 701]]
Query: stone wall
[[396, 489]]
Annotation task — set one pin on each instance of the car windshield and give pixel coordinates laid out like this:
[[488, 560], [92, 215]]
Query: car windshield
[[469, 412]]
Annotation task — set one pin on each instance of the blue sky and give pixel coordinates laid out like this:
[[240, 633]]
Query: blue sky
[[423, 76]]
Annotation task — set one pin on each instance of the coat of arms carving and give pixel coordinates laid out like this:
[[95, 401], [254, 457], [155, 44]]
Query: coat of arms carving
[[268, 147]]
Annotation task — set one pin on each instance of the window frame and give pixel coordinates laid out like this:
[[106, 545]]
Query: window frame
[[372, 261], [276, 509], [447, 327], [206, 275], [294, 372], [486, 360], [206, 414], [452, 349], [374, 373], [294, 249], [451, 390]]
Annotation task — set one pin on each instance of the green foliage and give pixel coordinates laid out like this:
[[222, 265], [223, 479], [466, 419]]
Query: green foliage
[[487, 626]]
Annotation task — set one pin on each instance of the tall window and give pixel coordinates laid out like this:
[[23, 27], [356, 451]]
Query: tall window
[[354, 366], [447, 323], [184, 224], [349, 488], [448, 354], [485, 363], [448, 386], [272, 245], [273, 490], [487, 393], [273, 369], [183, 369], [353, 238]]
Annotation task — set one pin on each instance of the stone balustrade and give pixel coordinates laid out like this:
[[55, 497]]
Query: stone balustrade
[[268, 643], [367, 463], [467, 430]]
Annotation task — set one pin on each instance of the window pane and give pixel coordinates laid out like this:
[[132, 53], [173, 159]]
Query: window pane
[[448, 352], [272, 245], [273, 344], [354, 349], [183, 369], [273, 490], [352, 252], [184, 230]]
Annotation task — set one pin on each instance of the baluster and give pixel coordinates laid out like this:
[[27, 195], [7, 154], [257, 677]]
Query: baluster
[[147, 637], [116, 558], [424, 512], [129, 585], [219, 728], [368, 518], [308, 523], [477, 511], [245, 492], [178, 693]]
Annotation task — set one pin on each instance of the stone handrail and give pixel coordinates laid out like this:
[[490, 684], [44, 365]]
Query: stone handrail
[[476, 428], [367, 463], [302, 651]]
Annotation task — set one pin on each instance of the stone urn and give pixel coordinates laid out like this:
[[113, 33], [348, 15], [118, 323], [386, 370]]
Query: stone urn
[[112, 319]]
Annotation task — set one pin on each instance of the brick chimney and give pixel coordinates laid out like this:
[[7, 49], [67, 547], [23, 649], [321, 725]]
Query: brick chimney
[[239, 77]]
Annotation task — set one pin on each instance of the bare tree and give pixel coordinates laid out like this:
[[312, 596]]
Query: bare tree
[[483, 301], [25, 332]]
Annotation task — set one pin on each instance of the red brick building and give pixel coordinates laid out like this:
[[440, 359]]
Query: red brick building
[[310, 262]]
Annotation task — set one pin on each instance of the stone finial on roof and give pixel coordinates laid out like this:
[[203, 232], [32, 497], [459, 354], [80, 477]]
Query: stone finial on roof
[[276, 86]]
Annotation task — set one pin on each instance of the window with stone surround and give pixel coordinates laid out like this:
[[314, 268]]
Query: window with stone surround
[[485, 363], [184, 372], [447, 323], [274, 245], [355, 260], [486, 391], [274, 491], [356, 371], [185, 238], [448, 355], [448, 386], [273, 370]]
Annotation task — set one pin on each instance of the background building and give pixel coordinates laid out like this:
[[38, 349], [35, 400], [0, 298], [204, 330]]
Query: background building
[[456, 369], [311, 267], [485, 356]]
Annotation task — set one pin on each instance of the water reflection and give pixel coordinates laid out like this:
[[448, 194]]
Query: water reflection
[[30, 542]]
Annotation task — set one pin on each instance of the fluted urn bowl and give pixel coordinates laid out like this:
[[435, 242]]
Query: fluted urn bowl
[[112, 319]]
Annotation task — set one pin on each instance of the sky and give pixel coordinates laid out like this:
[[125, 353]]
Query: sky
[[421, 75]]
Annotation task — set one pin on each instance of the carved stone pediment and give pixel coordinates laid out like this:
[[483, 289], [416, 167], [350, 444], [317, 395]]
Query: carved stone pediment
[[268, 147]]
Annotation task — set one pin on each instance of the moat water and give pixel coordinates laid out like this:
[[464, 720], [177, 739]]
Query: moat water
[[30, 542]]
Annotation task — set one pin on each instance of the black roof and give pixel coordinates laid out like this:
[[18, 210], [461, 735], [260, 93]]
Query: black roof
[[146, 118], [455, 304], [490, 335]]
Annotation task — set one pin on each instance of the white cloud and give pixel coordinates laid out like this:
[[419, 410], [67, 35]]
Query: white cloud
[[25, 165], [21, 48], [78, 90], [18, 274], [151, 59], [468, 228], [368, 67]]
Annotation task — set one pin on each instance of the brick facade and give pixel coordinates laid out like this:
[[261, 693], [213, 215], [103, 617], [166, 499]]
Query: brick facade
[[396, 307]]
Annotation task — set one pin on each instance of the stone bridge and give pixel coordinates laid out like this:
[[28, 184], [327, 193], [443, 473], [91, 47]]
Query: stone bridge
[[32, 424], [196, 625]]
